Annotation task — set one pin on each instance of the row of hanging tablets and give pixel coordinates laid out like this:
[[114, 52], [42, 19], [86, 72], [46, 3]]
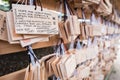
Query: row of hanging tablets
[[91, 61], [24, 25], [28, 24], [95, 26]]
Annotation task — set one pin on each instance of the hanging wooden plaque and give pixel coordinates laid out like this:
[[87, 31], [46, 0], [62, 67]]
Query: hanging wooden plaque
[[30, 21]]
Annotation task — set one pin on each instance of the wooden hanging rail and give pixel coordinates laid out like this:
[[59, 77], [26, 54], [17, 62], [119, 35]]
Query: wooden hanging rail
[[18, 75], [6, 48]]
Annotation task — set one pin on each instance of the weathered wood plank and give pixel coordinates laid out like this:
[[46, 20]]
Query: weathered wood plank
[[6, 48], [19, 75]]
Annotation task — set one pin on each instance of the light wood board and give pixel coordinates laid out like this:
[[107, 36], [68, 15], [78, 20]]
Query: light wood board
[[6, 48], [18, 75]]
